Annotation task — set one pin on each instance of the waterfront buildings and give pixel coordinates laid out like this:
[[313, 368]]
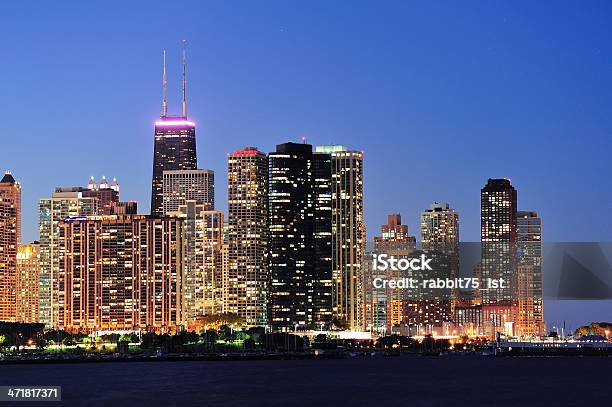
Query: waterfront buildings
[[498, 231], [498, 213], [120, 273], [174, 146], [440, 242], [388, 307], [28, 280], [202, 281], [180, 186], [300, 245], [348, 235], [10, 237], [247, 289], [530, 312], [64, 202]]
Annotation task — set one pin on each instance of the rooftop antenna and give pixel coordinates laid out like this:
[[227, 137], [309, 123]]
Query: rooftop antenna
[[164, 84], [184, 84]]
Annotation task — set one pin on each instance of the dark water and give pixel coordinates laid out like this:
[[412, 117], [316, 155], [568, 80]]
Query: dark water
[[373, 381]]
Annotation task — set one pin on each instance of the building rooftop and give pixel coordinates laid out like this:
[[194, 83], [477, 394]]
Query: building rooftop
[[8, 178]]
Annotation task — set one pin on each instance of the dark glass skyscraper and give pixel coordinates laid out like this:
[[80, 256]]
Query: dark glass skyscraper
[[174, 149], [300, 247], [498, 211], [498, 235], [175, 145]]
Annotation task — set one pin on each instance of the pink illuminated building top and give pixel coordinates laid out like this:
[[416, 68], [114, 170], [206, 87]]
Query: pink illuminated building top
[[246, 151], [173, 122]]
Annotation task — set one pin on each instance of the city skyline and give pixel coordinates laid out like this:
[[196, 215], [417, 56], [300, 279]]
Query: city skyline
[[327, 198], [425, 182]]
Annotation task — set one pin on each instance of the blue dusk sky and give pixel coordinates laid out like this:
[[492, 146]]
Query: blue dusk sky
[[440, 96]]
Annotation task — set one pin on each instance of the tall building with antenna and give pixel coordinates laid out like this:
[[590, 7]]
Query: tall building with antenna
[[175, 142]]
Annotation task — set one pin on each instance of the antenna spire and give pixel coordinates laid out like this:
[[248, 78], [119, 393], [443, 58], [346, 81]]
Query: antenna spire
[[164, 84], [184, 83]]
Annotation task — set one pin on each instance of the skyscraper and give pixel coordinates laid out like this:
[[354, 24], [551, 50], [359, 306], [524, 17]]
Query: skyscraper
[[107, 194], [246, 289], [28, 280], [120, 273], [348, 234], [530, 318], [300, 237], [498, 203], [10, 237], [439, 224], [175, 144], [108, 197], [387, 307], [205, 259], [498, 235], [440, 242], [64, 203], [180, 186], [395, 231]]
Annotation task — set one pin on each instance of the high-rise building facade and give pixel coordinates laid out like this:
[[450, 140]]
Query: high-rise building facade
[[439, 224], [530, 313], [205, 260], [120, 273], [246, 288], [180, 186], [440, 242], [174, 147], [28, 280], [107, 194], [348, 234], [300, 246], [498, 210], [498, 235], [387, 307], [64, 203], [10, 237], [394, 231]]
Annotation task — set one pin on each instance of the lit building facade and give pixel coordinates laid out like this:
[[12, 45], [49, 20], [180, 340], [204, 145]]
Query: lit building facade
[[348, 235], [120, 273], [64, 203], [246, 289], [28, 280], [385, 307], [10, 237], [439, 224], [300, 246], [440, 242], [205, 260], [530, 313], [107, 194], [174, 149], [498, 235], [180, 186]]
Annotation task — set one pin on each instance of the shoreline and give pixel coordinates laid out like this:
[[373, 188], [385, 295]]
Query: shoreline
[[71, 359]]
